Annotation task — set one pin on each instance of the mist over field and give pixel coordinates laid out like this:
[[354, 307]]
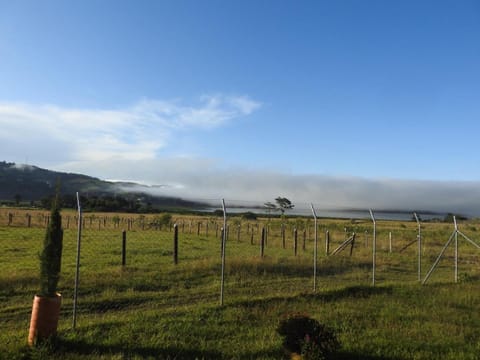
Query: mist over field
[[202, 179]]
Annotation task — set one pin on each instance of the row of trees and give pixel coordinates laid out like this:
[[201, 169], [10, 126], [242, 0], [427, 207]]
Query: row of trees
[[103, 203]]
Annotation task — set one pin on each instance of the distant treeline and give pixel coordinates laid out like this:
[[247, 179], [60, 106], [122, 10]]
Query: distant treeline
[[127, 203]]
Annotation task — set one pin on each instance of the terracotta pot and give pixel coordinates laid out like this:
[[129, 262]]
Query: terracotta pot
[[45, 314]]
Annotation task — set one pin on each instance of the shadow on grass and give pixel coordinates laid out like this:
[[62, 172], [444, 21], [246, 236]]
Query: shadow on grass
[[61, 348], [258, 267], [347, 355], [66, 347], [103, 306], [18, 285], [357, 292]]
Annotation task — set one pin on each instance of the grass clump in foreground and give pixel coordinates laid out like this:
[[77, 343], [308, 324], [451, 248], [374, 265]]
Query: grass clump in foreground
[[154, 309]]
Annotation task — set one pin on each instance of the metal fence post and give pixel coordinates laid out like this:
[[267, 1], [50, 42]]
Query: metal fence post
[[315, 246], [77, 267], [456, 249], [224, 241], [419, 236], [390, 240], [374, 255]]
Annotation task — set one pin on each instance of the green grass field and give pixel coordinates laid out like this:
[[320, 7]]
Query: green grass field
[[152, 308]]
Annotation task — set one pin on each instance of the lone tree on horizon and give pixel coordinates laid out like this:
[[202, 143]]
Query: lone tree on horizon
[[283, 204]]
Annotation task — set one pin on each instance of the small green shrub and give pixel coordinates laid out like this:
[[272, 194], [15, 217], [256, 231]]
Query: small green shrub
[[306, 336], [162, 220], [51, 256]]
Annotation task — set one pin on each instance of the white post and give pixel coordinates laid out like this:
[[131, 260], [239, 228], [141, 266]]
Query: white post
[[77, 269], [456, 248], [315, 246], [419, 236], [374, 246], [390, 240], [224, 240]]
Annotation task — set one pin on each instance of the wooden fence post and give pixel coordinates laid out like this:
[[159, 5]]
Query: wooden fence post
[[262, 243], [327, 242], [175, 244], [295, 241], [352, 244], [124, 248]]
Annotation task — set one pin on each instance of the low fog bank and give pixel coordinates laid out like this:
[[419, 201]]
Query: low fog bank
[[199, 179]]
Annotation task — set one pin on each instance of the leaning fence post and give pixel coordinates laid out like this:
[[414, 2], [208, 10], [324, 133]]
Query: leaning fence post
[[175, 244], [124, 247]]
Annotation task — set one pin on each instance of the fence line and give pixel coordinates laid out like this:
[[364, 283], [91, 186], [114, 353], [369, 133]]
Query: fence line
[[123, 246]]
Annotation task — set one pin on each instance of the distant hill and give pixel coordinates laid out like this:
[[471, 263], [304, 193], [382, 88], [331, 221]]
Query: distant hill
[[27, 183]]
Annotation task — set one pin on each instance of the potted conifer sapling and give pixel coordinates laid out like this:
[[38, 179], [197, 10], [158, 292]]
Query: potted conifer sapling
[[46, 304]]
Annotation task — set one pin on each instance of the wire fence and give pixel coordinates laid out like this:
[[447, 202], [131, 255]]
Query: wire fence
[[142, 261]]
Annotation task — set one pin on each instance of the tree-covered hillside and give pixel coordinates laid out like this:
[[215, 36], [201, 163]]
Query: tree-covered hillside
[[20, 184]]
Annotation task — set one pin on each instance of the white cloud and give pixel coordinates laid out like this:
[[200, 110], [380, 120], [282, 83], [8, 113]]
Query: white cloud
[[137, 132]]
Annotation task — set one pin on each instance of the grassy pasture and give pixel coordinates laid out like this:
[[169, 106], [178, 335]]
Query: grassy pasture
[[152, 308]]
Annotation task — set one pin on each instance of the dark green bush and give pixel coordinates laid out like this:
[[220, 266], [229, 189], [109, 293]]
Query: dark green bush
[[51, 256], [306, 336], [249, 216]]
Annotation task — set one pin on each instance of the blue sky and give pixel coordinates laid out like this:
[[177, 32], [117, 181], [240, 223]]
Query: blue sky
[[304, 92]]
